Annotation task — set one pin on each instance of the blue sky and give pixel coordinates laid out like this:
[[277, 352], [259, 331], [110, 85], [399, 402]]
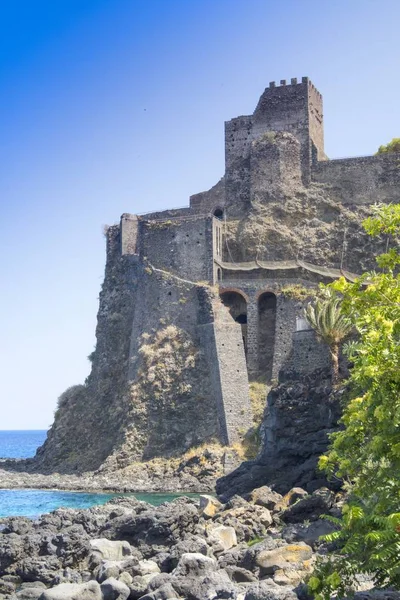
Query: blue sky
[[112, 106]]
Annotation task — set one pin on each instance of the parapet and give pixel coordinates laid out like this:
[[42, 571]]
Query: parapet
[[305, 81]]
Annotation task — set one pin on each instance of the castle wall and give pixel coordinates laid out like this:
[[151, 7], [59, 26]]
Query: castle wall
[[295, 109], [361, 180], [308, 354], [286, 311], [228, 373], [206, 202], [129, 228], [182, 246]]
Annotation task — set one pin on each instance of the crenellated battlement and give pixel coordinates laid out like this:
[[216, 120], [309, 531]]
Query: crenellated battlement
[[305, 81]]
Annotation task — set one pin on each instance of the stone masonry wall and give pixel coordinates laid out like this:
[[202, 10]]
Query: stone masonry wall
[[182, 246], [287, 309], [308, 354], [361, 180]]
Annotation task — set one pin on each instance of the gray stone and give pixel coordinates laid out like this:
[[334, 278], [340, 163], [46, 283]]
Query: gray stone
[[194, 565], [112, 589], [111, 550], [73, 591], [268, 590], [32, 593]]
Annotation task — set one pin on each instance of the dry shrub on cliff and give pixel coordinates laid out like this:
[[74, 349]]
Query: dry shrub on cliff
[[258, 398], [70, 395]]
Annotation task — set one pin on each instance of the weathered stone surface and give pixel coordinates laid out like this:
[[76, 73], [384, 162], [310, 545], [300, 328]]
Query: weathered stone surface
[[73, 591], [301, 412], [309, 508], [248, 521], [194, 565], [264, 496], [269, 590], [292, 555], [221, 537], [209, 505], [293, 495], [29, 593], [111, 550], [112, 589], [308, 533]]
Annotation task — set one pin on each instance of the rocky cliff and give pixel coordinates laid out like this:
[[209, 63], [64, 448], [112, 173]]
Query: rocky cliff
[[301, 412]]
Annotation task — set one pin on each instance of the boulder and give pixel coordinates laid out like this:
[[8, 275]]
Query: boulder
[[191, 544], [264, 496], [6, 587], [32, 593], [221, 537], [73, 591], [269, 590], [39, 568], [288, 556], [209, 506], [140, 584], [148, 566], [113, 568], [157, 528], [240, 575], [165, 592], [112, 589], [111, 550], [211, 586], [309, 534], [248, 521], [194, 565], [293, 496], [309, 507]]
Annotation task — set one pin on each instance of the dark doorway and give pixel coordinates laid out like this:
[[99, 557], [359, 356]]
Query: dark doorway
[[218, 213], [238, 309], [266, 334]]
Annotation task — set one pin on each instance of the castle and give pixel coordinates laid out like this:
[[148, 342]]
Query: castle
[[198, 300]]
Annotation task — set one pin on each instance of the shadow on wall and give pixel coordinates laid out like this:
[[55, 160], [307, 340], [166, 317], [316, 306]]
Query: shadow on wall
[[237, 305], [266, 333]]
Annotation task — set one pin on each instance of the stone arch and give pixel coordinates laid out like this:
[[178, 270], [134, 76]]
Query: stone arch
[[266, 305], [236, 302]]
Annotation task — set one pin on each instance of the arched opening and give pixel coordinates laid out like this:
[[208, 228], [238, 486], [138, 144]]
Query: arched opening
[[238, 309], [218, 213], [219, 274], [266, 333]]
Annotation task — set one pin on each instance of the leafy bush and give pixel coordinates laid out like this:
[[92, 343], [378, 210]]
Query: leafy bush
[[393, 146], [365, 454]]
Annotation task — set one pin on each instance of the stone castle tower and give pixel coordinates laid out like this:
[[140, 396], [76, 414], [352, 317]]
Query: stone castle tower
[[198, 300]]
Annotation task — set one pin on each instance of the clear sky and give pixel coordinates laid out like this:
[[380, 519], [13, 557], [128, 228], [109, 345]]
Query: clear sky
[[112, 106]]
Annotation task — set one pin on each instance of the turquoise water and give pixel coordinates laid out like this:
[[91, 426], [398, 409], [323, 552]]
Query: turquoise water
[[32, 503], [20, 444]]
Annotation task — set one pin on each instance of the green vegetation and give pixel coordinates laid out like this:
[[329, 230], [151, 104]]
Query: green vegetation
[[365, 454], [331, 325], [393, 146], [299, 292], [254, 541]]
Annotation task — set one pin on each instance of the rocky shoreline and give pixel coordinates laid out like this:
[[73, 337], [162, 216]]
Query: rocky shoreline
[[249, 549], [193, 473]]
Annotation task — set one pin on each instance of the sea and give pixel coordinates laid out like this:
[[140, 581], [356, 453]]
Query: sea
[[33, 503]]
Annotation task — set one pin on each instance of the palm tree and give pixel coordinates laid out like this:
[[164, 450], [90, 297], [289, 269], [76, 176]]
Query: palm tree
[[330, 324]]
